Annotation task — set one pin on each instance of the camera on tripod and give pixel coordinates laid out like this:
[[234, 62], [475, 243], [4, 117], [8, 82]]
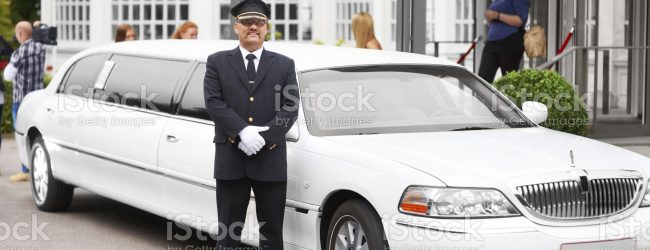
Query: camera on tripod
[[45, 34]]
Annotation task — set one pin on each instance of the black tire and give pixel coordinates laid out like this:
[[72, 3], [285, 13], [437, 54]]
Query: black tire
[[58, 195], [359, 212]]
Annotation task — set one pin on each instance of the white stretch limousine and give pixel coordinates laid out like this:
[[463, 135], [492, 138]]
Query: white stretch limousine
[[390, 150]]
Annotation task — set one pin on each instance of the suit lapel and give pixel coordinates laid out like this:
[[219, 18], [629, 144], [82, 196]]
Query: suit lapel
[[237, 63], [265, 64]]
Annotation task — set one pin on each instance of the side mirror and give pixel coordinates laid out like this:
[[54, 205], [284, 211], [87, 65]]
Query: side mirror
[[294, 133], [535, 111]]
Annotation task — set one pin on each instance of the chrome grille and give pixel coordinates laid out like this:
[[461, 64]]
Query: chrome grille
[[568, 200]]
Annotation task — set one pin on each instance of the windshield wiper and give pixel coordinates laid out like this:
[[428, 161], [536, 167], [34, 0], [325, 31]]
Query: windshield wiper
[[470, 128]]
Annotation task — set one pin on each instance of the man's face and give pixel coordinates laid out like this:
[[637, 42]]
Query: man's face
[[20, 35], [251, 31]]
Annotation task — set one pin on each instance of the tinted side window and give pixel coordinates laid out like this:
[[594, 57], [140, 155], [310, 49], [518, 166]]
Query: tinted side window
[[193, 102], [143, 82], [81, 77]]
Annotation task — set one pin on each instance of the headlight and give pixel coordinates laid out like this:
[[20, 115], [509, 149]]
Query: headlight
[[455, 202], [646, 197]]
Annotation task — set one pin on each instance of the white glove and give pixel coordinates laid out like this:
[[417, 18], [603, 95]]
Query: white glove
[[246, 149], [10, 72], [250, 136]]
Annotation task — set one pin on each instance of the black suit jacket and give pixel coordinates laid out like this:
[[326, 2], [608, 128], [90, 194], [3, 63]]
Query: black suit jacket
[[233, 104]]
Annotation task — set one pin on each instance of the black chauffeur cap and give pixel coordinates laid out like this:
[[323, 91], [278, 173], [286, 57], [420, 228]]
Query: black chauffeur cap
[[250, 9]]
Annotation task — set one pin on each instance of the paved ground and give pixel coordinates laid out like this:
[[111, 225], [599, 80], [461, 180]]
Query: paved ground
[[94, 222]]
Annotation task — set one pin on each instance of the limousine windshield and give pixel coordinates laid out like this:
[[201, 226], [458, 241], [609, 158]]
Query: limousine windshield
[[401, 99]]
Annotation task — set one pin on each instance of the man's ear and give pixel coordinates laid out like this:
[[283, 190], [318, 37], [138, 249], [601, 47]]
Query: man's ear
[[234, 26]]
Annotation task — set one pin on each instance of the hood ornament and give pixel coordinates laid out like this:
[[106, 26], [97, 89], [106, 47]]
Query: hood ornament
[[583, 180]]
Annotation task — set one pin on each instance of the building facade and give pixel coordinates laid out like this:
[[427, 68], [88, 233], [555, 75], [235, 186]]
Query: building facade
[[607, 59], [87, 23]]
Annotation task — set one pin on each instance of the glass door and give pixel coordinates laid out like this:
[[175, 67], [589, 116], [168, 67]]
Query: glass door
[[617, 59]]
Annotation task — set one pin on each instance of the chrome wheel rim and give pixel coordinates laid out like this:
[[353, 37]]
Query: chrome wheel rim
[[40, 172], [350, 236]]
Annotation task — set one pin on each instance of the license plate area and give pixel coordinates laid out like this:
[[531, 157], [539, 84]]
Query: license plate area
[[622, 244]]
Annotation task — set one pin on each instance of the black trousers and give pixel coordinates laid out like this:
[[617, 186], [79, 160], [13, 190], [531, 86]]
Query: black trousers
[[491, 61], [505, 54], [232, 201]]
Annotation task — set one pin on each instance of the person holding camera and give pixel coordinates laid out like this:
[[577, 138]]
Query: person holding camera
[[25, 70]]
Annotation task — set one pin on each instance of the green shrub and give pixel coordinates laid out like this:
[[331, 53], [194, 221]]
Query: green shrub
[[566, 112], [6, 125], [47, 78]]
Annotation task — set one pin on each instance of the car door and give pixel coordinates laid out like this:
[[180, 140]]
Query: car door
[[186, 164], [186, 157], [123, 126], [65, 108]]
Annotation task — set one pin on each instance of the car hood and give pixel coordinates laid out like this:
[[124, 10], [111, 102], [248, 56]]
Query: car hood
[[488, 158]]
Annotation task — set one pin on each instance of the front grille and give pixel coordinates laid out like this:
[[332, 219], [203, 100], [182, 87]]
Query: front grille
[[568, 200]]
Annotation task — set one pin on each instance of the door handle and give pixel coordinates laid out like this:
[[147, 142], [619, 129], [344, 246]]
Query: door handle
[[171, 138], [50, 111]]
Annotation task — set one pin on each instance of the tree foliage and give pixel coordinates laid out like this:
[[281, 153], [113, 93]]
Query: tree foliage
[[6, 25], [25, 10]]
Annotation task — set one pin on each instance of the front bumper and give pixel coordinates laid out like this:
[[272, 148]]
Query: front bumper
[[418, 233]]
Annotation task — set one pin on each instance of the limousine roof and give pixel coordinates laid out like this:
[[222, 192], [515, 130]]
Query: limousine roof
[[306, 56]]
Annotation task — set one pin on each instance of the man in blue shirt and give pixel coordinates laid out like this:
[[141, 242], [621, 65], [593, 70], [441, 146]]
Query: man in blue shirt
[[505, 40]]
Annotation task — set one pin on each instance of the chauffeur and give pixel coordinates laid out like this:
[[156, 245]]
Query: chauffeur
[[241, 87]]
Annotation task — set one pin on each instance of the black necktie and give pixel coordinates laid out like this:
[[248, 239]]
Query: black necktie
[[250, 69]]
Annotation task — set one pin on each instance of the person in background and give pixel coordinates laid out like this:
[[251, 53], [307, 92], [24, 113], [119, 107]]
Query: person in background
[[5, 52], [124, 32], [188, 30], [505, 39], [25, 70], [364, 31]]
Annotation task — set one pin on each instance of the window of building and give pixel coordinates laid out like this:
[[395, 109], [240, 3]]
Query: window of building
[[73, 20], [393, 21], [290, 20], [345, 10], [225, 27], [431, 25], [143, 82], [591, 23], [464, 21], [193, 102], [151, 19]]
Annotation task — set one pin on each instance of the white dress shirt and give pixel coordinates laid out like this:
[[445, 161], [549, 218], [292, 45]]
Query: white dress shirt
[[257, 53]]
